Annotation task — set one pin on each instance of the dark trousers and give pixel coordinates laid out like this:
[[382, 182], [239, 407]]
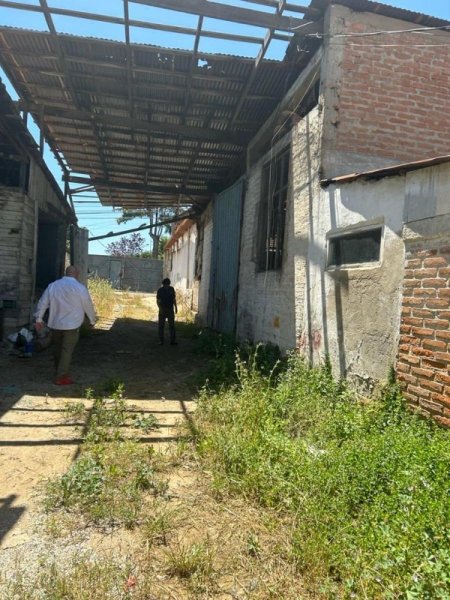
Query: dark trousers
[[166, 313], [64, 342]]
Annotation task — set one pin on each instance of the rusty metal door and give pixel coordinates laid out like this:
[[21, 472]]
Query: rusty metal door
[[227, 211]]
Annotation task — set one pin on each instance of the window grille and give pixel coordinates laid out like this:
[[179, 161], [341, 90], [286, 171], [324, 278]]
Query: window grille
[[273, 206]]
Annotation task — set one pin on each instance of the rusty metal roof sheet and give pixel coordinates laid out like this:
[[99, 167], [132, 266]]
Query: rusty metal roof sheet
[[142, 124], [153, 126], [390, 171]]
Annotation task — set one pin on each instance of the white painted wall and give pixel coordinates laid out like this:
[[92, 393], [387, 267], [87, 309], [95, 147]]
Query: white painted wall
[[181, 256]]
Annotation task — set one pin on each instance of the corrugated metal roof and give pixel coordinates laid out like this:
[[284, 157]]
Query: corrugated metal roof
[[146, 123], [390, 171], [161, 125]]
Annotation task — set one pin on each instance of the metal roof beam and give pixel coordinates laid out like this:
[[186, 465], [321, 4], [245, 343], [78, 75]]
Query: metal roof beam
[[126, 185]]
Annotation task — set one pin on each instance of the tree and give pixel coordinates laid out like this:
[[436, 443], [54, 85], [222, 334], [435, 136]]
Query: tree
[[162, 242], [154, 215], [132, 245]]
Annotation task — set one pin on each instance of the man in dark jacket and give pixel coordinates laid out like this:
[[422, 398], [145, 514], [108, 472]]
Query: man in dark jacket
[[167, 304]]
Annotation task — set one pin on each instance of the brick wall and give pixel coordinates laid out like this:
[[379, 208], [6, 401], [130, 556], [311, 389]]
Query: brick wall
[[385, 95], [423, 366], [392, 99]]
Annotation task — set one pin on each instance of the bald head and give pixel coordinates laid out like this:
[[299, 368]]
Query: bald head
[[72, 271]]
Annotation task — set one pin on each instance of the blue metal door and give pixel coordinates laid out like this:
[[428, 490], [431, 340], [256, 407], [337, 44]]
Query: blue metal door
[[227, 212]]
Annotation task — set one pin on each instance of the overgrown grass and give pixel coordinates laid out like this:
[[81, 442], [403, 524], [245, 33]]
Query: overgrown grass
[[368, 483], [102, 294], [221, 351], [107, 482]]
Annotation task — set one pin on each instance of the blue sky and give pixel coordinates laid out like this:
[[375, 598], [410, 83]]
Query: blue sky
[[90, 213]]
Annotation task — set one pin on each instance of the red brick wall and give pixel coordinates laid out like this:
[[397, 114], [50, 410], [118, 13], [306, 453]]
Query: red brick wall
[[423, 366], [393, 101]]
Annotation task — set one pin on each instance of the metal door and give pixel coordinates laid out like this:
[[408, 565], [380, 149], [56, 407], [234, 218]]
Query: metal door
[[227, 210]]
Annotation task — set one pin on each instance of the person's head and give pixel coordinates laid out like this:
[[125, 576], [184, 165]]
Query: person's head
[[72, 271], [166, 281]]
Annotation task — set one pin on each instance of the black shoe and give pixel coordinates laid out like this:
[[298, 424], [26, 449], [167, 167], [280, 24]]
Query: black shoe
[[174, 343], [161, 343]]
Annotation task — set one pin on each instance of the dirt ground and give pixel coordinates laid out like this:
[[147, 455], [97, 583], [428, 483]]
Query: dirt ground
[[234, 539], [37, 442]]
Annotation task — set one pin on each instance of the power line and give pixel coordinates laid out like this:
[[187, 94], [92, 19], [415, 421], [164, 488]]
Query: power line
[[186, 215], [372, 33]]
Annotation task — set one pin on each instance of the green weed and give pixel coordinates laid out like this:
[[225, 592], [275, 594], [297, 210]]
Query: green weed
[[194, 562], [145, 422], [74, 411], [156, 526], [106, 483], [368, 482]]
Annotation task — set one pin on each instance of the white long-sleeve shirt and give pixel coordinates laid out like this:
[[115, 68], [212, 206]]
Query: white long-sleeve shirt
[[68, 301]]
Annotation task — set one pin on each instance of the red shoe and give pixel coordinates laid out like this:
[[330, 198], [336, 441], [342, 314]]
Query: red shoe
[[64, 380]]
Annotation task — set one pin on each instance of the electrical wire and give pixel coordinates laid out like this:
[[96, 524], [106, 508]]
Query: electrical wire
[[420, 30]]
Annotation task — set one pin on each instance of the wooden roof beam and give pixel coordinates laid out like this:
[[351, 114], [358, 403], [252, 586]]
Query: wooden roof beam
[[215, 10], [268, 38], [135, 23], [290, 7], [213, 135]]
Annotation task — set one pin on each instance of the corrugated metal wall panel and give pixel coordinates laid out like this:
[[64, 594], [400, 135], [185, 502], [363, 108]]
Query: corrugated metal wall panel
[[225, 258]]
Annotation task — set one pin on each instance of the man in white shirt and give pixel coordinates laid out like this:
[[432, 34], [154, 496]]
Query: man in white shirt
[[68, 301]]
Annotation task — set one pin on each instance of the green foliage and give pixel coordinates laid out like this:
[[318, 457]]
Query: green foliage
[[74, 410], [145, 422], [158, 524], [194, 562], [106, 483], [222, 352], [368, 482]]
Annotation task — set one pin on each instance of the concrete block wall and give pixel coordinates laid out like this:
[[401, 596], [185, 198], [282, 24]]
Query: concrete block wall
[[385, 95], [423, 365], [127, 272]]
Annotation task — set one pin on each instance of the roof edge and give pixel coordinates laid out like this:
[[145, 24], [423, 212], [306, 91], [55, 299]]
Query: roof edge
[[398, 169]]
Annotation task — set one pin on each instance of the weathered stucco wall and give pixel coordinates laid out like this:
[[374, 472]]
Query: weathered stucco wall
[[204, 274], [384, 95], [356, 310], [271, 303]]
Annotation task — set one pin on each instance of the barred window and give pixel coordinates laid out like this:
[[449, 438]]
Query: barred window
[[273, 206]]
